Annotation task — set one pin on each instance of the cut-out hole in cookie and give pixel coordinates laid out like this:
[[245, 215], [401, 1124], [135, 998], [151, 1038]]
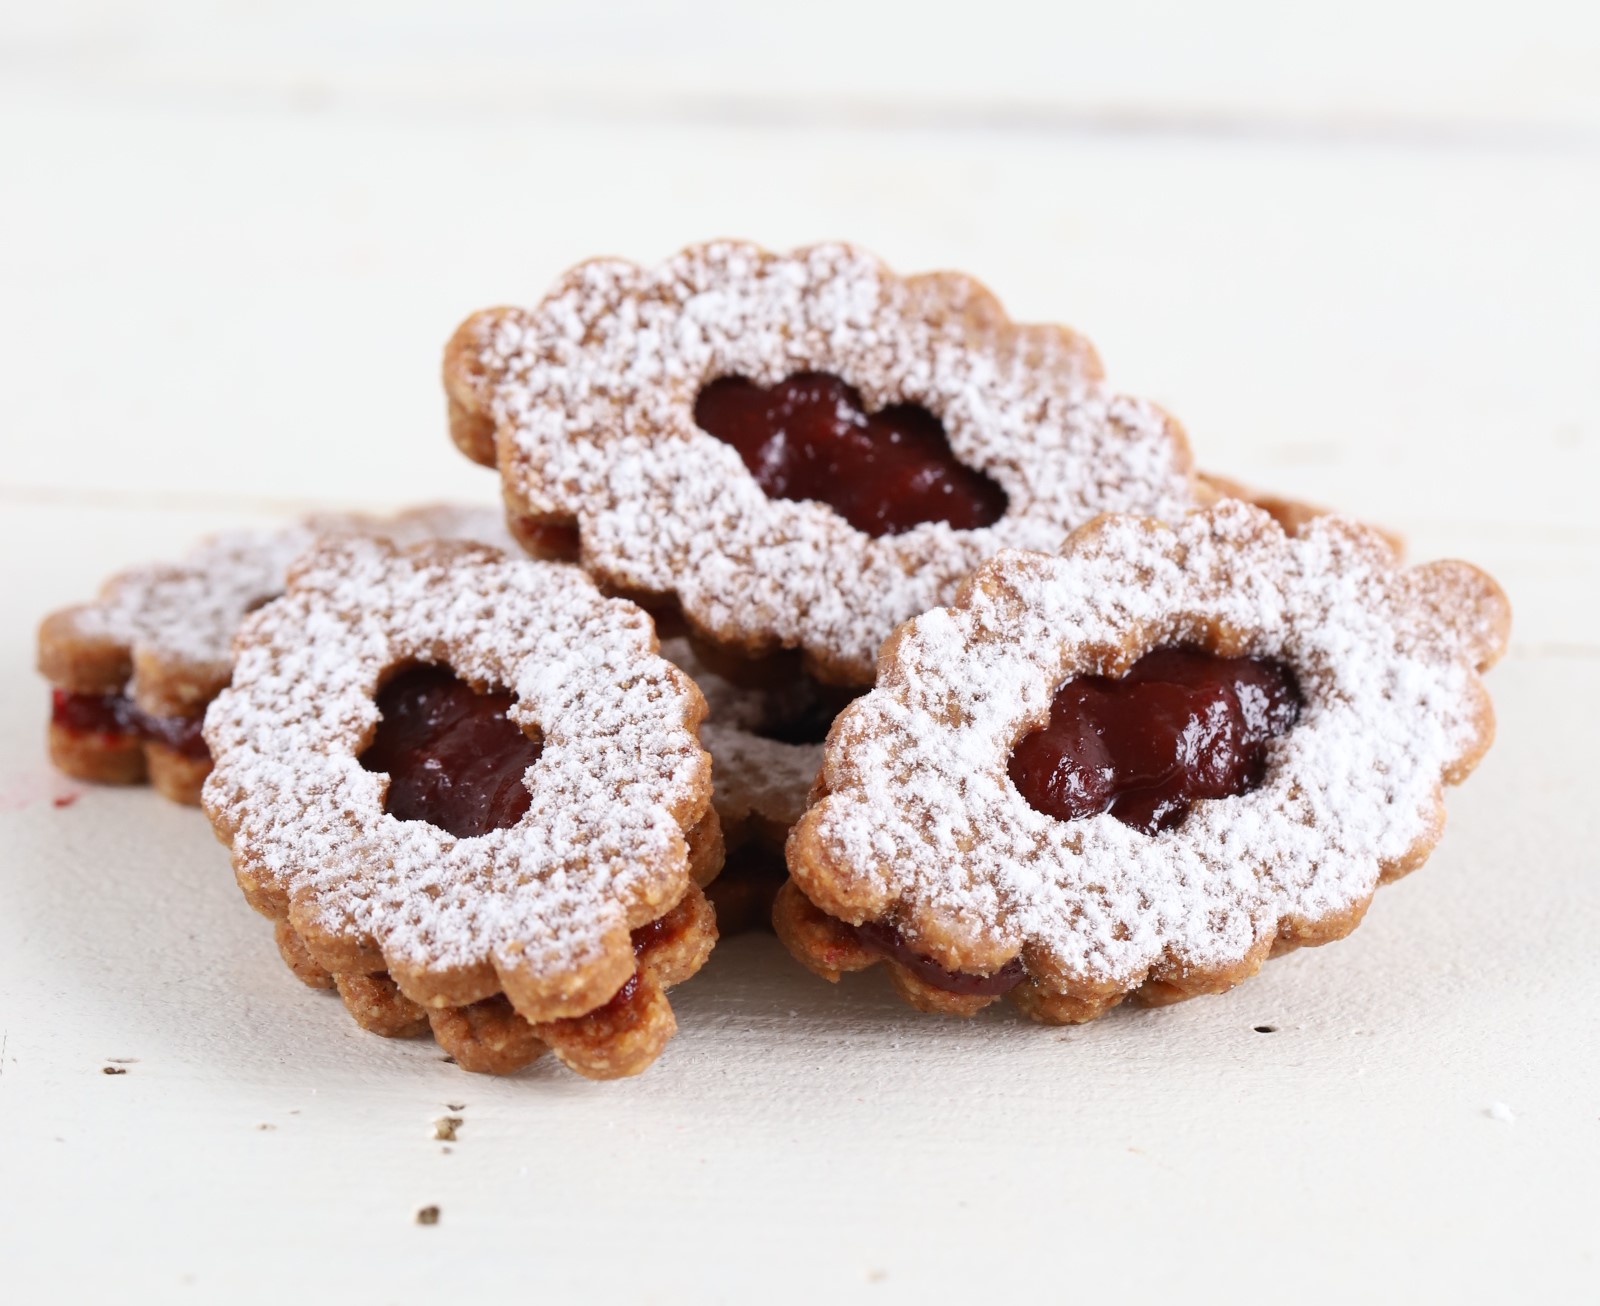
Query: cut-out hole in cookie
[[454, 758], [802, 711], [810, 437], [795, 707], [1181, 726]]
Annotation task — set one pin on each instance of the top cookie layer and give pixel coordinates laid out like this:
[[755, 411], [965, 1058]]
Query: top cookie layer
[[541, 909], [591, 396], [168, 626], [922, 825]]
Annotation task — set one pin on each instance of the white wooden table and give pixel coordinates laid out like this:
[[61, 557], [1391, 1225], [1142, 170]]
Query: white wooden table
[[1356, 254]]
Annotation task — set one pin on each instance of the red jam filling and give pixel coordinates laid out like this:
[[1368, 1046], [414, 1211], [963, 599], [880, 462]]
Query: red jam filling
[[115, 717], [454, 758], [886, 939], [661, 930], [620, 998], [809, 437], [1181, 726]]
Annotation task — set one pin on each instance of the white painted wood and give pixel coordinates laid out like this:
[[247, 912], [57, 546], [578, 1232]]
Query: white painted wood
[[262, 296], [1431, 68], [798, 1140], [1360, 266]]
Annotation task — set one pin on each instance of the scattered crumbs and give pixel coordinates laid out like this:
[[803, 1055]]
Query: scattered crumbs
[[445, 1151], [1266, 1029], [455, 1106], [264, 1125], [445, 1127], [877, 1276], [1501, 1112], [428, 1215], [113, 1070], [65, 800]]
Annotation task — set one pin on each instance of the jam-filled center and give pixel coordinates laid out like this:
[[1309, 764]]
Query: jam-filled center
[[454, 758], [809, 437], [1181, 726]]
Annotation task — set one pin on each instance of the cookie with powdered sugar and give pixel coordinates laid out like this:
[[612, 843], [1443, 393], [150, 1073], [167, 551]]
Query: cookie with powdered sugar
[[471, 793], [133, 671], [798, 450], [765, 739], [1294, 515], [1144, 766]]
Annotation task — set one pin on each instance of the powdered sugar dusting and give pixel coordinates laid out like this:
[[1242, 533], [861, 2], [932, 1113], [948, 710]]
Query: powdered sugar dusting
[[752, 776], [923, 824], [601, 847], [185, 614], [593, 394]]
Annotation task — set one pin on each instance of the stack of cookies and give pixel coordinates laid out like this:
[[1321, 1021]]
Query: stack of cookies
[[838, 583]]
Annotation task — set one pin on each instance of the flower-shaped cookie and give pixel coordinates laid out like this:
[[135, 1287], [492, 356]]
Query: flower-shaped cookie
[[904, 430], [1357, 697], [390, 698], [134, 670], [1294, 515]]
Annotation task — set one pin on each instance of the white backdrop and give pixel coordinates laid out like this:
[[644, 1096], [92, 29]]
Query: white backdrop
[[1351, 247]]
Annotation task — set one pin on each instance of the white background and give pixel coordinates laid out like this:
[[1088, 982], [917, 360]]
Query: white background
[[1353, 247]]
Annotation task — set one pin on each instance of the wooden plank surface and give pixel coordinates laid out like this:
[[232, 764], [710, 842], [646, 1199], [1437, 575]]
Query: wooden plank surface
[[1354, 254]]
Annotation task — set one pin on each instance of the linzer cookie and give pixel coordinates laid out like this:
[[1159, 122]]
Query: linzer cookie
[[765, 740], [1292, 514], [1144, 766], [798, 450], [472, 795], [489, 1037], [133, 671]]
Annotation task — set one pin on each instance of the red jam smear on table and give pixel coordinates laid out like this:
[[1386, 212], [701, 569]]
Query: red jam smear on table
[[114, 716], [888, 941], [454, 758], [1181, 726], [809, 437]]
